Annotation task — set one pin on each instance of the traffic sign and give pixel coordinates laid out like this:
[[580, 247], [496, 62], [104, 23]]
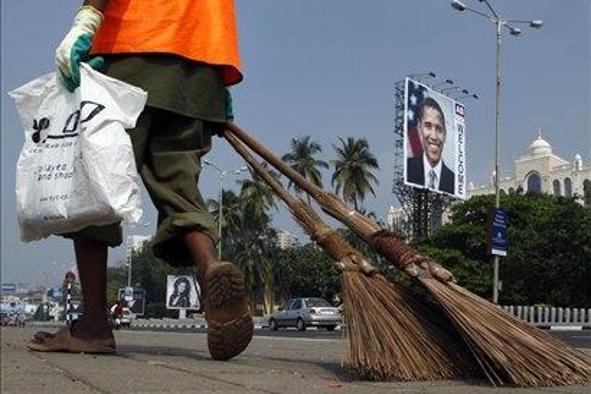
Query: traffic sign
[[498, 235], [128, 294]]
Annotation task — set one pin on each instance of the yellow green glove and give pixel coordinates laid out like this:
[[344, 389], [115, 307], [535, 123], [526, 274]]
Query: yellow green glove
[[75, 47]]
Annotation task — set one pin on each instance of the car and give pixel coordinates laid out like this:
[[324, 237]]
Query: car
[[306, 312]]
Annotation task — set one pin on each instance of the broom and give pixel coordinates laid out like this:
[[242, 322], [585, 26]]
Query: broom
[[508, 350], [391, 335]]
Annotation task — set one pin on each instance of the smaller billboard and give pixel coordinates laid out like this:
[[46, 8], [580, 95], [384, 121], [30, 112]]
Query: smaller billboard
[[135, 301], [182, 292], [434, 141]]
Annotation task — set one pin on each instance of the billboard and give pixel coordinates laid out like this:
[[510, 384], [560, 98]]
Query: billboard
[[434, 141], [136, 302], [182, 292]]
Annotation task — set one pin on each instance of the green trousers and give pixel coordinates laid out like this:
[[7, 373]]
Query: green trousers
[[168, 148]]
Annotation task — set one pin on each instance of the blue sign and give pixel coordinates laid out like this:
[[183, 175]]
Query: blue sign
[[498, 236], [55, 293], [128, 293], [8, 289]]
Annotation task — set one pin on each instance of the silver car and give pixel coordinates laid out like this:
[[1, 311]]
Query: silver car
[[306, 312]]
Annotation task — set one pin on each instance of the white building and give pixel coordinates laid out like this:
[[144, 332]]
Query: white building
[[397, 219], [540, 170], [285, 239]]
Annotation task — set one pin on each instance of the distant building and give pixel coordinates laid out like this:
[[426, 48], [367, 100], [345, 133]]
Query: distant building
[[285, 240], [35, 296], [540, 170], [397, 220]]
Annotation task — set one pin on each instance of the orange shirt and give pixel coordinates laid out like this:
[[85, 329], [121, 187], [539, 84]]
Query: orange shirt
[[199, 30]]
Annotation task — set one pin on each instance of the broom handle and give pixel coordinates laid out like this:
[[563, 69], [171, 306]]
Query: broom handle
[[345, 253], [396, 251], [289, 200], [269, 156]]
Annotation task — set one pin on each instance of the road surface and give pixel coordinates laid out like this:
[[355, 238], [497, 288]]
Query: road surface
[[178, 362]]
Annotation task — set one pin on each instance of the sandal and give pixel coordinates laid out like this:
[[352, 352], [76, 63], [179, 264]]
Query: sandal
[[64, 341], [229, 323]]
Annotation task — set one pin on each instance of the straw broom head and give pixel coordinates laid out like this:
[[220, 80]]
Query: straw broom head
[[507, 350], [390, 335]]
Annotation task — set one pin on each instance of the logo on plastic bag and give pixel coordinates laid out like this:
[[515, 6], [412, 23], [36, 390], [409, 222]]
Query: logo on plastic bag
[[38, 127], [87, 111]]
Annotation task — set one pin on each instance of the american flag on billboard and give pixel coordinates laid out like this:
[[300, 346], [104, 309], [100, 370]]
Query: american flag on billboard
[[416, 95]]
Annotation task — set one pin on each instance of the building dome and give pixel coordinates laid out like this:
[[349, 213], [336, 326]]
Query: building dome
[[540, 147], [578, 162]]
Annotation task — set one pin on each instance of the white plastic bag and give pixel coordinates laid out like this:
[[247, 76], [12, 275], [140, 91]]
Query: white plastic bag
[[76, 167]]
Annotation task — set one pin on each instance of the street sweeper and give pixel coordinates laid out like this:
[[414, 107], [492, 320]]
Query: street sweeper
[[184, 54]]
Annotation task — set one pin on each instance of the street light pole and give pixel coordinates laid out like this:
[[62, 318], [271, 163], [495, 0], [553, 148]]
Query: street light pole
[[499, 22], [221, 175], [129, 259], [130, 248], [129, 268], [497, 131]]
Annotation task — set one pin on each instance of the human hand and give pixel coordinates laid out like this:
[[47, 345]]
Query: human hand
[[75, 47]]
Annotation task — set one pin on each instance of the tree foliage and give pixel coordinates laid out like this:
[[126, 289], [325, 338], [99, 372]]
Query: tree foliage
[[306, 271], [247, 237], [549, 256], [301, 158], [116, 279], [354, 163]]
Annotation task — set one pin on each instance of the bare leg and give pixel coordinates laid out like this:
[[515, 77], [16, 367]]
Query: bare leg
[[91, 258], [91, 333], [202, 251]]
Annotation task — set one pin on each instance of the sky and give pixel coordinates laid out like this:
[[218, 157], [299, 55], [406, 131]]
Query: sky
[[327, 69]]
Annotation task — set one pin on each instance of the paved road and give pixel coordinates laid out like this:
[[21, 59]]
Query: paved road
[[580, 338], [168, 362]]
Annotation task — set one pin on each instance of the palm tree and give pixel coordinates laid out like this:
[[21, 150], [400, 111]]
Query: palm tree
[[230, 210], [256, 195], [353, 177], [301, 159], [253, 252]]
